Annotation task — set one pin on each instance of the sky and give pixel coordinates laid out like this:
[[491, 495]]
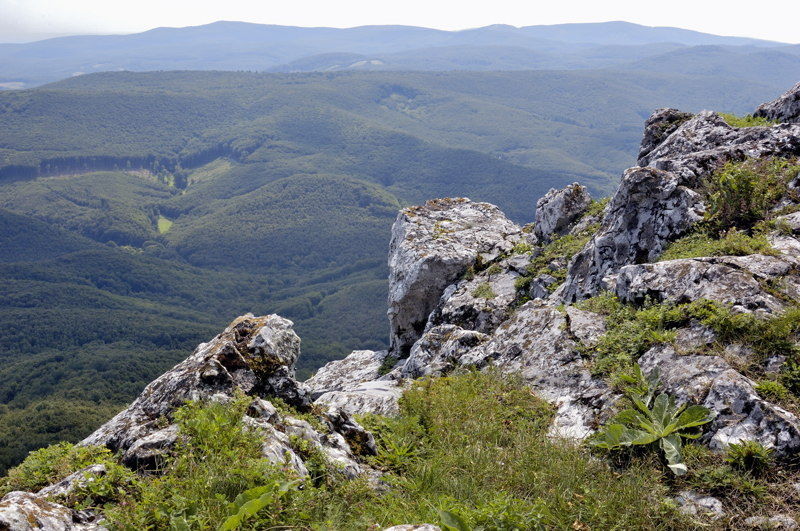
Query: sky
[[26, 20]]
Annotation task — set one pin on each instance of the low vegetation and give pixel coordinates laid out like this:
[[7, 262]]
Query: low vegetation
[[747, 120]]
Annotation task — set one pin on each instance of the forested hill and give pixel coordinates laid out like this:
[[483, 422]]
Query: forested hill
[[244, 46], [140, 212]]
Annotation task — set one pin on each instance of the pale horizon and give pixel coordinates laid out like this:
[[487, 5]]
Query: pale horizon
[[31, 20]]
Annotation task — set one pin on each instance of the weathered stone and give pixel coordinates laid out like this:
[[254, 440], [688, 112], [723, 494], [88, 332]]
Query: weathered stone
[[441, 350], [650, 209], [693, 337], [537, 343], [587, 327], [558, 209], [247, 356], [785, 108], [661, 124], [379, 397], [147, 453], [694, 504], [23, 511], [778, 521], [704, 143], [76, 480], [691, 279], [740, 413], [431, 247], [480, 304], [358, 367]]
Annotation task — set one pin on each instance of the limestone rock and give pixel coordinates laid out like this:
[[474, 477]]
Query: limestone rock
[[779, 521], [358, 367], [695, 504], [704, 143], [431, 247], [740, 413], [441, 350], [558, 209], [75, 480], [254, 354], [23, 511], [537, 343], [785, 108], [649, 209], [690, 279], [661, 124], [378, 396]]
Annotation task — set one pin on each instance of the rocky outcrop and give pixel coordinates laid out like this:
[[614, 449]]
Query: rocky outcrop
[[740, 414], [256, 356], [661, 124], [785, 108], [358, 367], [724, 280], [380, 397], [650, 209], [705, 142], [558, 210], [76, 480], [432, 246], [442, 349], [23, 511]]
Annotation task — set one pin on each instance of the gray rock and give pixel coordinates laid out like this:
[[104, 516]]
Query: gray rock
[[558, 209], [693, 337], [540, 287], [147, 452], [76, 480], [785, 108], [690, 279], [778, 521], [650, 209], [254, 354], [587, 327], [23, 511], [661, 124], [740, 413], [537, 343], [379, 397], [704, 143], [358, 367], [694, 504], [440, 350], [431, 247]]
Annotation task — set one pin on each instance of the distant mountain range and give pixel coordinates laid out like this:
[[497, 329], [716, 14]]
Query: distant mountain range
[[258, 47]]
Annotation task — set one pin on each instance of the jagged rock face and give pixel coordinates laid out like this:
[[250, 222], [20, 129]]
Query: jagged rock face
[[431, 247], [650, 209], [358, 367], [726, 280], [704, 143], [254, 354], [785, 108], [661, 124], [540, 343], [558, 209], [441, 349], [23, 511], [740, 413]]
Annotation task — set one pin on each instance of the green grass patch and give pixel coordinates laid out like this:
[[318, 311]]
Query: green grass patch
[[732, 243], [164, 225], [560, 250], [484, 291], [746, 121]]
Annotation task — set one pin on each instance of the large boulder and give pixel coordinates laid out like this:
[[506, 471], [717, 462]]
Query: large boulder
[[650, 208], [379, 397], [358, 367], [559, 209], [432, 246], [785, 108], [442, 349], [661, 124]]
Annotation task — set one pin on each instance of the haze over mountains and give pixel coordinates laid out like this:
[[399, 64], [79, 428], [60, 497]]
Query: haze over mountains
[[246, 46], [141, 211]]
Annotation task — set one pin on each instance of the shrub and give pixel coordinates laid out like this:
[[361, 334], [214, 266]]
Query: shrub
[[750, 456], [732, 243]]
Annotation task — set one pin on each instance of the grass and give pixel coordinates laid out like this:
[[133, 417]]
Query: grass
[[164, 225], [484, 291], [732, 243], [746, 121]]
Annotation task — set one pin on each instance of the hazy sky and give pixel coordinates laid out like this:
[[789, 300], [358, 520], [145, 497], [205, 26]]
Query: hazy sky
[[32, 19]]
